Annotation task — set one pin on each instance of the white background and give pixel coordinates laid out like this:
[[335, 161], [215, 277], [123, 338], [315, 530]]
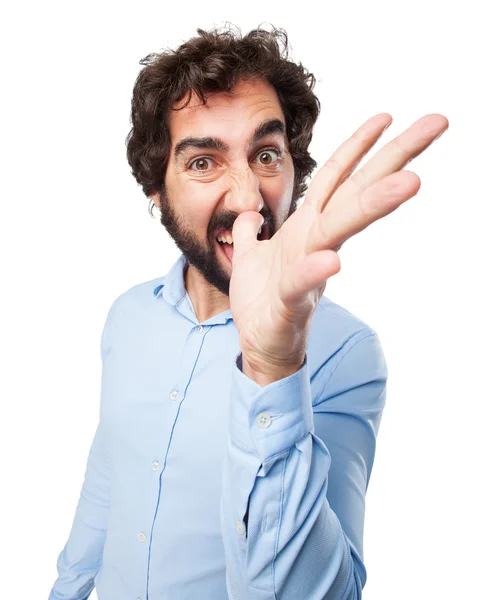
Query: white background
[[75, 233]]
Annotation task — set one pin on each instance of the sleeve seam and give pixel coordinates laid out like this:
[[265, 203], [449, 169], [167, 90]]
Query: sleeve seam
[[370, 335], [255, 453]]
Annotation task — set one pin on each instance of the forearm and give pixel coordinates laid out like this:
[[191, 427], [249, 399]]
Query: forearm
[[80, 559], [293, 540], [277, 466], [302, 465]]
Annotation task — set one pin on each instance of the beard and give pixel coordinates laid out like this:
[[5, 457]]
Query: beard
[[205, 257]]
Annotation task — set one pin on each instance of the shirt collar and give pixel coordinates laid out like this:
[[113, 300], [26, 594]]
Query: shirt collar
[[172, 286], [172, 289]]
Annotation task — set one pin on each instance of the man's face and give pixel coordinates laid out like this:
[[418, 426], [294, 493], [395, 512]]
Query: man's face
[[227, 157]]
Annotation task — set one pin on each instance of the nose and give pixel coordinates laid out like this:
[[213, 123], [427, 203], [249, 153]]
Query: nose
[[243, 191]]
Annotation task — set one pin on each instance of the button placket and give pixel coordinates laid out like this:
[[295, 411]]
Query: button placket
[[263, 420], [240, 528]]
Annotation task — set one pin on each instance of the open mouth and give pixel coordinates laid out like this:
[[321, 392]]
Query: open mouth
[[227, 250], [225, 241]]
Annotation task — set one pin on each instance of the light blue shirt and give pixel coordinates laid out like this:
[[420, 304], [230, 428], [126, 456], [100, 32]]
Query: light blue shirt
[[186, 441]]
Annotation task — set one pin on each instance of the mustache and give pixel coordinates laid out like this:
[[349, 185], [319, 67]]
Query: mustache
[[228, 222]]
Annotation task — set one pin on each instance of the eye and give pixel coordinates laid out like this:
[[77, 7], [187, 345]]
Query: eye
[[201, 164], [268, 156]]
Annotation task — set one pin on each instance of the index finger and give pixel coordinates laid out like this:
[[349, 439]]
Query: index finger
[[345, 159], [392, 157]]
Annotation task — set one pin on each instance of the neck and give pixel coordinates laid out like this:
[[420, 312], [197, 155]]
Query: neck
[[206, 299]]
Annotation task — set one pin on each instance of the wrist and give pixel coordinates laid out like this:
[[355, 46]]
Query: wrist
[[264, 373]]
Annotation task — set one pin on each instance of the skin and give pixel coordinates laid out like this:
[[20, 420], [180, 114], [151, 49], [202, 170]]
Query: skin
[[200, 198], [275, 284]]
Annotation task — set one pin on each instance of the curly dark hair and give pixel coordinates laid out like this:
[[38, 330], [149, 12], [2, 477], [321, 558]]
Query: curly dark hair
[[213, 62]]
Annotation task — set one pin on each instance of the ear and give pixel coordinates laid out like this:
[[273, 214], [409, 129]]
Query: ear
[[156, 199]]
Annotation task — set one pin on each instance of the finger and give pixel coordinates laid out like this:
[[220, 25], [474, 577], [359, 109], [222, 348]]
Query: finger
[[392, 157], [345, 159], [245, 231], [311, 272], [333, 228]]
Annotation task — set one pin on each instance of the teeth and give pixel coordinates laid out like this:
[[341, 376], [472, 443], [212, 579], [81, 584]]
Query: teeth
[[228, 239]]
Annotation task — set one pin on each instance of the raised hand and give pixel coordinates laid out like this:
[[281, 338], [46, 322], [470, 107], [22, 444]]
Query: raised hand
[[276, 284]]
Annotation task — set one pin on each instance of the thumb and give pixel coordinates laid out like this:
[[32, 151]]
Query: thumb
[[245, 231]]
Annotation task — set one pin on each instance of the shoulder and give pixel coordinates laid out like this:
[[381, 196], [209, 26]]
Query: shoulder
[[142, 294], [343, 350], [132, 303], [333, 326]]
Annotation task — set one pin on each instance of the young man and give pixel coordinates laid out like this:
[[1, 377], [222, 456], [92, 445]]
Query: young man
[[239, 406]]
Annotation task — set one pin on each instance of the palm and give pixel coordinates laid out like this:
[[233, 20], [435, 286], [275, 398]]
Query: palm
[[277, 283], [265, 268]]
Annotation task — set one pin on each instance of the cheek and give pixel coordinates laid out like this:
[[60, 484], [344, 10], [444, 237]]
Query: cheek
[[277, 192], [199, 203], [192, 201]]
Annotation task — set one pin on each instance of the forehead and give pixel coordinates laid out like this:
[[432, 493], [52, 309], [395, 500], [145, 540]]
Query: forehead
[[231, 115]]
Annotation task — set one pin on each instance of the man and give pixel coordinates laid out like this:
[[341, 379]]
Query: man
[[239, 406]]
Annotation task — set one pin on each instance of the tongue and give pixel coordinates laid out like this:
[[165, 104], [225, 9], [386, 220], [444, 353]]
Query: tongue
[[229, 251]]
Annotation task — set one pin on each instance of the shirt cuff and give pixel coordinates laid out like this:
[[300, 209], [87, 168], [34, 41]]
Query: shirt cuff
[[268, 420]]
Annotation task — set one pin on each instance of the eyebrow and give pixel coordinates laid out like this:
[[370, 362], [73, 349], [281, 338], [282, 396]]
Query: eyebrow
[[272, 126], [200, 142], [268, 128]]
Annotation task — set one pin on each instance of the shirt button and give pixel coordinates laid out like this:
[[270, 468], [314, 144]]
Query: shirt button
[[240, 528], [263, 420], [141, 537], [155, 466], [174, 395], [199, 329]]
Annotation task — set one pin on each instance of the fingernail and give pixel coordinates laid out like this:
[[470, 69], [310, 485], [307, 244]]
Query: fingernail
[[388, 125], [436, 138], [382, 132]]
